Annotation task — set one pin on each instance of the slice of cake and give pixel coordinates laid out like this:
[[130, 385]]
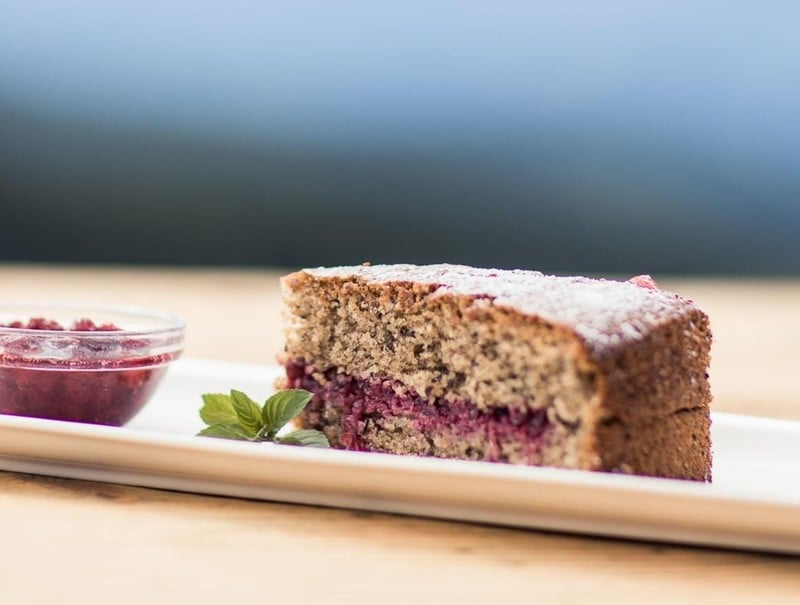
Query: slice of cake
[[502, 366]]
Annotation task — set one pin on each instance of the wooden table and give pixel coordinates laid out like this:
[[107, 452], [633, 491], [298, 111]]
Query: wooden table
[[78, 542]]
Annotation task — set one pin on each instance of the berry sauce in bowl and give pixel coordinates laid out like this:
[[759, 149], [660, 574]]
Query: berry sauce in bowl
[[98, 365]]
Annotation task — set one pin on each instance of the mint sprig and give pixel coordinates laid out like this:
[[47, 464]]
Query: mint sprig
[[236, 416]]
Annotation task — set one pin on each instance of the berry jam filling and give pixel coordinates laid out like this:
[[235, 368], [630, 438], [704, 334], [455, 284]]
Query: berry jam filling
[[99, 380], [79, 325], [363, 402]]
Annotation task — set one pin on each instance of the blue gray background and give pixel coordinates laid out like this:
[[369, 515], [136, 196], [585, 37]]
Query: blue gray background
[[571, 137]]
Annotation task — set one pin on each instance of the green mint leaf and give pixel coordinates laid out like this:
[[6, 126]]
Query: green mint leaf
[[248, 413], [307, 437], [224, 431], [236, 416], [218, 409], [282, 407]]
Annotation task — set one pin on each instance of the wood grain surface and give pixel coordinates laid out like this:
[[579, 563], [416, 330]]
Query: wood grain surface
[[79, 542]]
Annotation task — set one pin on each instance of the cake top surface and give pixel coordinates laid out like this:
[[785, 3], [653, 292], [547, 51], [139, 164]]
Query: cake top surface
[[602, 312]]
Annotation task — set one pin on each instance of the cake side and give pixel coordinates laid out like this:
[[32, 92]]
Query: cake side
[[420, 367], [655, 413]]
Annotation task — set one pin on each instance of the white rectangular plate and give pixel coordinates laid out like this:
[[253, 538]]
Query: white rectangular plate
[[753, 503]]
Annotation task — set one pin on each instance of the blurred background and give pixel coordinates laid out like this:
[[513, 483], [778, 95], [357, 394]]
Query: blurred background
[[588, 137]]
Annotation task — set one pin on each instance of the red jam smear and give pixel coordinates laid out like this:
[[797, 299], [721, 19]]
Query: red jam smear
[[81, 388], [360, 400], [644, 281]]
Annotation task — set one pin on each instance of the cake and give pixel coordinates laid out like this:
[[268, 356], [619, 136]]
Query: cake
[[502, 366]]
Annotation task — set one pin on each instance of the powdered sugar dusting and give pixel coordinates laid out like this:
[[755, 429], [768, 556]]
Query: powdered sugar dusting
[[604, 313]]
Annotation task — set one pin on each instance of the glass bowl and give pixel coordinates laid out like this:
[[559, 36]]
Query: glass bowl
[[101, 368]]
